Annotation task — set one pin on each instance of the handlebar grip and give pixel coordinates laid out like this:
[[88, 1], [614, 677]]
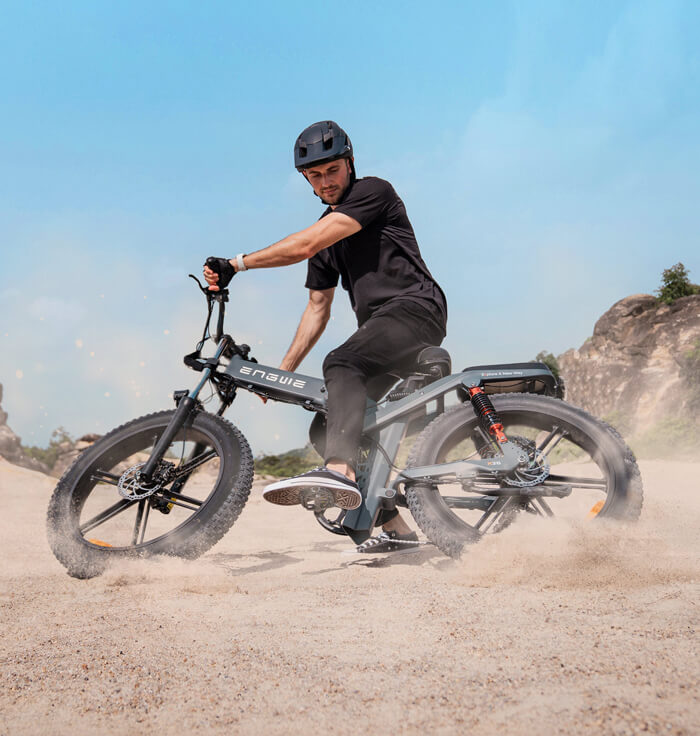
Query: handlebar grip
[[223, 268]]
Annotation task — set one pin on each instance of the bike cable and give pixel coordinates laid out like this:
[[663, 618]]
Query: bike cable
[[385, 455]]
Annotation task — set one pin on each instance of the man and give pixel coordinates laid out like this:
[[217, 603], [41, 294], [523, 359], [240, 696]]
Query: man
[[365, 238]]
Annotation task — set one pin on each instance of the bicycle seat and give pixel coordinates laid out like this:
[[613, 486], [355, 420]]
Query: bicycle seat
[[434, 361], [431, 364]]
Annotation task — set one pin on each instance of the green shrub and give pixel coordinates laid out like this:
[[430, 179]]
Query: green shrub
[[49, 455], [675, 284], [288, 463], [550, 361]]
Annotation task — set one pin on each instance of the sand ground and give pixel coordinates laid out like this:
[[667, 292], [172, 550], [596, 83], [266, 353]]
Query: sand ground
[[546, 628]]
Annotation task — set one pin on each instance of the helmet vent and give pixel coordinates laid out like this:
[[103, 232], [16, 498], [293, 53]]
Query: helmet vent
[[319, 143]]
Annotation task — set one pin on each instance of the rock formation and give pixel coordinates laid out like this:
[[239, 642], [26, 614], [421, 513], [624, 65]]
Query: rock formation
[[68, 451], [632, 370], [11, 445]]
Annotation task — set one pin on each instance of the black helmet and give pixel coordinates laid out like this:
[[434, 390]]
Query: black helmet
[[320, 143]]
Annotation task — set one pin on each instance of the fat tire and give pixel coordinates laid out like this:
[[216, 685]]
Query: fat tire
[[624, 498], [201, 531]]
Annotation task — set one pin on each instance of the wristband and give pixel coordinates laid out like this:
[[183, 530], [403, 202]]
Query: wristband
[[240, 266]]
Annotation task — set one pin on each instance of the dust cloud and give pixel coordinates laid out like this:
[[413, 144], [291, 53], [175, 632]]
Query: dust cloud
[[560, 627], [558, 554]]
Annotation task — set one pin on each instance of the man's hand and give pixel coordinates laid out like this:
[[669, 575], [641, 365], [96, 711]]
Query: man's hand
[[218, 273]]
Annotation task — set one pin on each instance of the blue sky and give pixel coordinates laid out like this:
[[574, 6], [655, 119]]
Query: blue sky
[[547, 152]]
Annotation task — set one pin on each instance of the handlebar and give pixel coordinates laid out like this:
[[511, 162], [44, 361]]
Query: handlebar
[[220, 296], [227, 345]]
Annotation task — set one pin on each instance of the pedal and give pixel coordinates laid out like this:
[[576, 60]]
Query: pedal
[[316, 499]]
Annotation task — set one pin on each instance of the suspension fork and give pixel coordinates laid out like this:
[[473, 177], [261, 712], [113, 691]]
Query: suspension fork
[[226, 401], [186, 406]]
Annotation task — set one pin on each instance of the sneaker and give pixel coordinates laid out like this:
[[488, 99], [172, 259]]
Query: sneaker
[[389, 542], [317, 490]]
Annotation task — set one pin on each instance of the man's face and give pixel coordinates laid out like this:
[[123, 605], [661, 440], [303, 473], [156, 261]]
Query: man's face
[[330, 180]]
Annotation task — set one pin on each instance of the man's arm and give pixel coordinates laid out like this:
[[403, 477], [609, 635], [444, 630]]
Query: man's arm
[[313, 323], [296, 247], [304, 244]]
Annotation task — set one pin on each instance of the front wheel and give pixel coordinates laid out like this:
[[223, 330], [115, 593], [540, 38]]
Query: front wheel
[[101, 510], [567, 449]]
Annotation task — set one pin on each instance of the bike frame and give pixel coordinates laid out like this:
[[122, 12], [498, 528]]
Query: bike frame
[[384, 426]]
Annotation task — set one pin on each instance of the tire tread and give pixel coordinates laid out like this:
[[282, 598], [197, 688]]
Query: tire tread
[[420, 506], [83, 562]]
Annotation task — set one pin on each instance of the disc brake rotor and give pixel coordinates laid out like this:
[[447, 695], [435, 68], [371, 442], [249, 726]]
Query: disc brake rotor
[[131, 487], [534, 472], [531, 473]]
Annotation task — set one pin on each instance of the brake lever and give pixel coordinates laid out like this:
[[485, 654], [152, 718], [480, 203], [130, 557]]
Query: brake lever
[[199, 283], [221, 295]]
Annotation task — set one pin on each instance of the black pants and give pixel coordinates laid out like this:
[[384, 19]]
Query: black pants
[[390, 340]]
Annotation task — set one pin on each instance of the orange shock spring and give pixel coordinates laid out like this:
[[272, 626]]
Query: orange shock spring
[[483, 407]]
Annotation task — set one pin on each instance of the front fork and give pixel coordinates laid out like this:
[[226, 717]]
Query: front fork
[[185, 408]]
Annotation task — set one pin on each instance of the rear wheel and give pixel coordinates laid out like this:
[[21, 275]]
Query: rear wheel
[[101, 510], [578, 467]]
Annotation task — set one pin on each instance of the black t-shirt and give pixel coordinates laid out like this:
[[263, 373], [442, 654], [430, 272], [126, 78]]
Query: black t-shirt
[[381, 262]]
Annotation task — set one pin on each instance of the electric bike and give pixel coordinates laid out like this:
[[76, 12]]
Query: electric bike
[[487, 445]]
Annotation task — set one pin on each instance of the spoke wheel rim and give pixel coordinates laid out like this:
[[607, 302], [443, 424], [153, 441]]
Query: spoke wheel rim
[[101, 479], [549, 431]]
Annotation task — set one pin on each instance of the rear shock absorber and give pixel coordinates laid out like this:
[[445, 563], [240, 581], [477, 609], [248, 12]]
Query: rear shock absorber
[[488, 418]]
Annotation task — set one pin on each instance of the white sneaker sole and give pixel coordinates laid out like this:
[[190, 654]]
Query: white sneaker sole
[[285, 494]]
